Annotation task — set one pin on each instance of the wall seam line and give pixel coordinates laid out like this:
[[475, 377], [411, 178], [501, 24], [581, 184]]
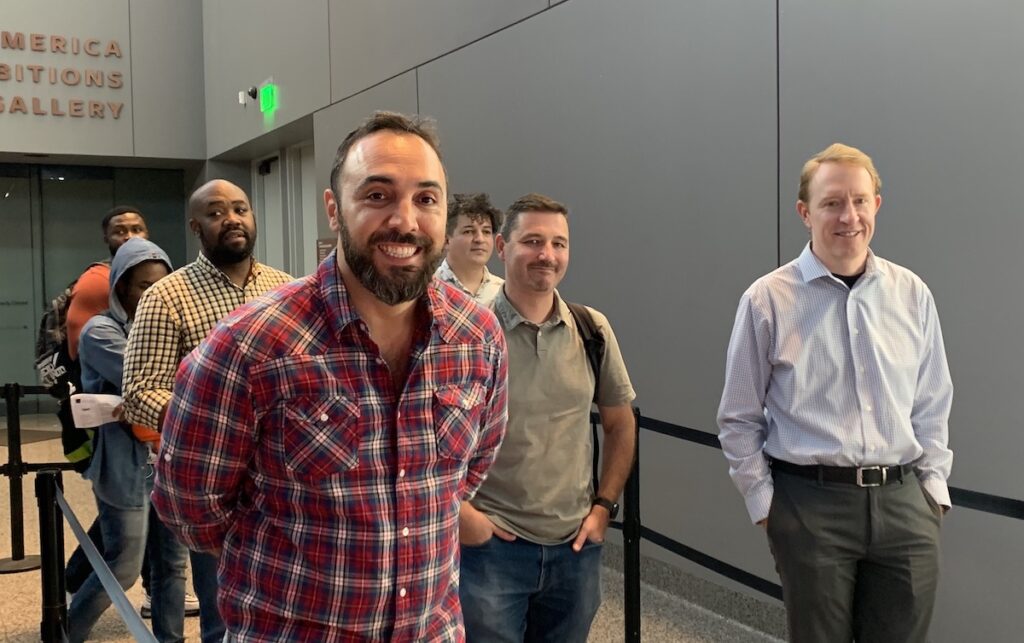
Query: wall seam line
[[131, 72]]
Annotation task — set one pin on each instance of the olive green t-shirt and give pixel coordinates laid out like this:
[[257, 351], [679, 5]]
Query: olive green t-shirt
[[540, 486]]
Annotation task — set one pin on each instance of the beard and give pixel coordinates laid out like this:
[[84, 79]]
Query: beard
[[399, 284], [222, 254]]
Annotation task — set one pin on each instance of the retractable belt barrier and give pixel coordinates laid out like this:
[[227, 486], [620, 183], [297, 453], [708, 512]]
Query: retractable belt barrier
[[976, 500], [48, 486]]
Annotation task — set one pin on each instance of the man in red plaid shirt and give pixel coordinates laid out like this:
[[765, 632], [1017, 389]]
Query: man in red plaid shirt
[[323, 437]]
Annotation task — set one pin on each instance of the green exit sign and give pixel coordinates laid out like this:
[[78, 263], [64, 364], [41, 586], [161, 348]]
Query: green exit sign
[[268, 98]]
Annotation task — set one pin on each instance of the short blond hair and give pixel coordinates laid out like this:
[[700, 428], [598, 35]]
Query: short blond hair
[[837, 153]]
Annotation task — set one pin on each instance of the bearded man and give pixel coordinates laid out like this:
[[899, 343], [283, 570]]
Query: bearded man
[[322, 438]]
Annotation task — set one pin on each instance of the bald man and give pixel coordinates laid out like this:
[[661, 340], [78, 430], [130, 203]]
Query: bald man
[[173, 318]]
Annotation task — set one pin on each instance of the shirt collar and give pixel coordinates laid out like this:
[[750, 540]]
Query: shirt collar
[[341, 313], [812, 268], [510, 317], [203, 263], [445, 273]]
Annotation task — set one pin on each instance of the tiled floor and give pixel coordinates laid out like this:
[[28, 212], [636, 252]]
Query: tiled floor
[[666, 618]]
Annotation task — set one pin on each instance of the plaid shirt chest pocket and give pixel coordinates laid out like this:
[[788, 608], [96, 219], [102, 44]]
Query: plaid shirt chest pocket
[[457, 410], [320, 436]]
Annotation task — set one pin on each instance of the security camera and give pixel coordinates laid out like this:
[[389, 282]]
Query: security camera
[[253, 93]]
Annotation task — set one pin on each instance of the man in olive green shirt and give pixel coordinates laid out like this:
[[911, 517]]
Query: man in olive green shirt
[[531, 536]]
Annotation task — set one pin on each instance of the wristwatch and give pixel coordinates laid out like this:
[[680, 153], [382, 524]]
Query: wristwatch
[[612, 507]]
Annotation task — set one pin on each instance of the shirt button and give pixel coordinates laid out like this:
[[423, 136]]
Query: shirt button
[[402, 592], [401, 473], [868, 407], [856, 332], [323, 417], [405, 531], [167, 457]]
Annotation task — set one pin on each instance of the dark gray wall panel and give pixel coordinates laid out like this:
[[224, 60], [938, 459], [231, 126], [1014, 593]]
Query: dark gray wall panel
[[332, 124], [980, 591], [167, 70], [922, 87], [248, 41], [659, 134], [373, 40]]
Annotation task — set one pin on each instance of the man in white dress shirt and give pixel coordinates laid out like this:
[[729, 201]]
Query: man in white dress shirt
[[469, 241], [834, 419]]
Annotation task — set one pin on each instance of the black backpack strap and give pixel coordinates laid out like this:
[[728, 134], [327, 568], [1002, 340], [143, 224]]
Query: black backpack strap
[[593, 344]]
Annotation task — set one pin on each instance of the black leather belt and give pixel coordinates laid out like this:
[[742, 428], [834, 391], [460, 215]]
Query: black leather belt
[[861, 476]]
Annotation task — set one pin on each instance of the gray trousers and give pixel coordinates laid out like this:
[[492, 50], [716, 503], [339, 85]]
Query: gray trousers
[[856, 563]]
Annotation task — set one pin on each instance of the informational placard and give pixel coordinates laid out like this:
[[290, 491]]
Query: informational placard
[[324, 247]]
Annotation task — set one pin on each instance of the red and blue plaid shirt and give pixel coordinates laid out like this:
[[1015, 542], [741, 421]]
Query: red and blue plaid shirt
[[333, 498]]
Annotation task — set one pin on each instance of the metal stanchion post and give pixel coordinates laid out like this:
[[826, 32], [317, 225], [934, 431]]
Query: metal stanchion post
[[631, 542], [14, 469], [54, 624]]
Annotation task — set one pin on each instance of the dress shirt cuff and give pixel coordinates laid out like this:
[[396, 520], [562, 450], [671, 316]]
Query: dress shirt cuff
[[759, 501], [147, 407], [937, 489]]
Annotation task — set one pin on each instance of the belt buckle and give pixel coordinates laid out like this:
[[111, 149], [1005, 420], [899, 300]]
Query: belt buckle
[[884, 471]]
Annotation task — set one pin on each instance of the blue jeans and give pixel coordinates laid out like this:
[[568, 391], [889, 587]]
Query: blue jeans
[[78, 568], [167, 560], [167, 581], [204, 582], [520, 591], [124, 542]]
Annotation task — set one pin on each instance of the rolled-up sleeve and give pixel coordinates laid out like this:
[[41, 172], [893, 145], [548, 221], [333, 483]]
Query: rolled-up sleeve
[[208, 440], [741, 419], [151, 359], [492, 422]]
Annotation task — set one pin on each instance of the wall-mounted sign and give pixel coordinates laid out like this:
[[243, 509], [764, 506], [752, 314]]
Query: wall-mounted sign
[[324, 247], [62, 61]]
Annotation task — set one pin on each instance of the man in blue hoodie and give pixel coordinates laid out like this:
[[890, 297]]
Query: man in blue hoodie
[[120, 471]]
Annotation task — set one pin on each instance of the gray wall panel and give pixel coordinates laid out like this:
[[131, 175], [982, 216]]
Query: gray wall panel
[[659, 135], [332, 124], [688, 497], [980, 591], [103, 20], [249, 41], [372, 40], [167, 69], [926, 99]]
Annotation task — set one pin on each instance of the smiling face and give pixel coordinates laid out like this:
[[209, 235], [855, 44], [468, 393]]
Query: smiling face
[[840, 214], [536, 252], [390, 215], [223, 220]]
